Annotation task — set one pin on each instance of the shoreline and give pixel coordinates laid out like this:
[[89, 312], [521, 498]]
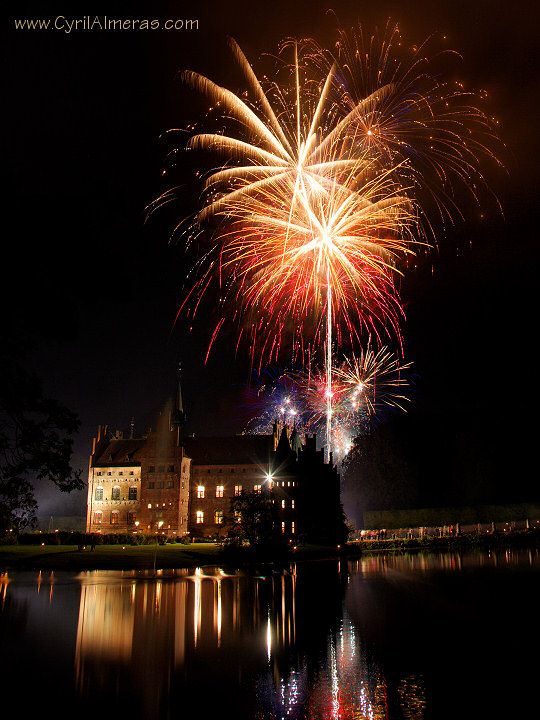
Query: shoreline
[[177, 556]]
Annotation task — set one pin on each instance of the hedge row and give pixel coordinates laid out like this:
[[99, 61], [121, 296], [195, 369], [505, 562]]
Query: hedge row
[[77, 538]]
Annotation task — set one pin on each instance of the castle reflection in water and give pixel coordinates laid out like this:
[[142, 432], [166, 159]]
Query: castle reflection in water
[[206, 641]]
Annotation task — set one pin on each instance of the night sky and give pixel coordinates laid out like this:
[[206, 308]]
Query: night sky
[[99, 289]]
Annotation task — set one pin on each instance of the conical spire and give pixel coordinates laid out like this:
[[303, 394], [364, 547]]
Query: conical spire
[[178, 415]]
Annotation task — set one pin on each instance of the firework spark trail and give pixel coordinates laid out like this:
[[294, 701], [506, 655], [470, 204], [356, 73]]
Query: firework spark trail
[[403, 104], [364, 386], [301, 221], [316, 205]]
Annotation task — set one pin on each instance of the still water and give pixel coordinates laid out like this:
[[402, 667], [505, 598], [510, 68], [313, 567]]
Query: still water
[[422, 636]]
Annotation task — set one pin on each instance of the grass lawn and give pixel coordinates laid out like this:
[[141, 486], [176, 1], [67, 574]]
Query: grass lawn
[[144, 557], [113, 557]]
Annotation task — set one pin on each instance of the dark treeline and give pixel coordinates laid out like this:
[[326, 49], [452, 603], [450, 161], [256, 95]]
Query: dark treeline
[[450, 459]]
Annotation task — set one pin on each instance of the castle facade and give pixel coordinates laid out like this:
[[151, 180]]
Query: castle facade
[[183, 486]]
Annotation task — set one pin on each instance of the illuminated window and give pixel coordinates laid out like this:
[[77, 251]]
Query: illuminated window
[[283, 503], [132, 493], [200, 492], [149, 506], [115, 495], [99, 493], [257, 488], [292, 526], [237, 489], [292, 504], [131, 517], [114, 518], [200, 517], [219, 491], [282, 527], [219, 517], [98, 516]]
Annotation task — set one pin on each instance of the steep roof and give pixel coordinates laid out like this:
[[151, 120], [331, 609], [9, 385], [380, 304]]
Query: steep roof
[[119, 451], [232, 450]]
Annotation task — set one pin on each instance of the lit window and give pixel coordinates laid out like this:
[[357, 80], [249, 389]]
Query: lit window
[[219, 517], [149, 506], [200, 492], [257, 488], [292, 526], [283, 503], [114, 518], [132, 493], [292, 504], [200, 517], [98, 518], [131, 518], [115, 495], [282, 527], [99, 493], [237, 489], [219, 491]]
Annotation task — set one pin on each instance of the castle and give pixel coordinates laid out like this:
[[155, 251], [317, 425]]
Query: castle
[[165, 482]]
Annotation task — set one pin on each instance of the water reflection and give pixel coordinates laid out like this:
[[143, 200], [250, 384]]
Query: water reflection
[[209, 631], [380, 638]]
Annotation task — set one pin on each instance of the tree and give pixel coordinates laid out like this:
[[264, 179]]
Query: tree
[[35, 441], [378, 473], [254, 518]]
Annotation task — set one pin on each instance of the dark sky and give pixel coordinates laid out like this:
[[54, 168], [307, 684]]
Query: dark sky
[[83, 114]]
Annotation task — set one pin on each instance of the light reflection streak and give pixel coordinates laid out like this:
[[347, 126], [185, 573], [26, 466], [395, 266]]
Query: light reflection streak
[[248, 627]]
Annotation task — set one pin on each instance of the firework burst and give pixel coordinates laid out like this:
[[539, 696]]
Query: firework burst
[[314, 209]]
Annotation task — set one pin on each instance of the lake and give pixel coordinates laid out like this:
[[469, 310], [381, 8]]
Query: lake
[[450, 635]]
